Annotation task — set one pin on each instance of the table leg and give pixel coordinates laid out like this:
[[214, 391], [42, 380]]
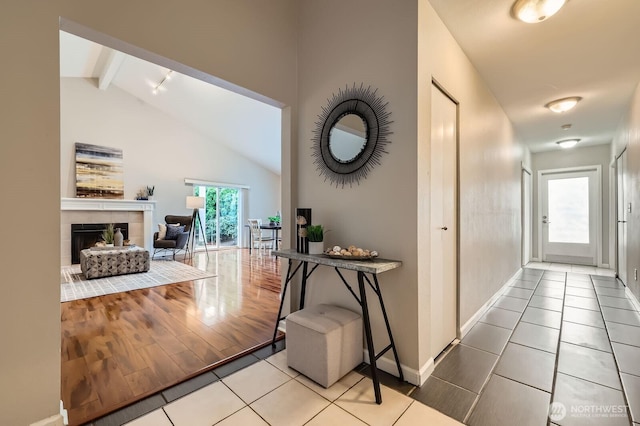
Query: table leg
[[369, 337], [284, 293], [303, 290]]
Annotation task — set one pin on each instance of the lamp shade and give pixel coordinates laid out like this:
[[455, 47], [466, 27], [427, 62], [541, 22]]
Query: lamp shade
[[195, 202]]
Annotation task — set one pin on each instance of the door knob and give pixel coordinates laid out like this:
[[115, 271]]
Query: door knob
[[444, 228]]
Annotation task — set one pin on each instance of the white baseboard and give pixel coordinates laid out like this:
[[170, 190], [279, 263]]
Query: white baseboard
[[412, 376], [534, 259], [632, 297], [464, 329], [56, 420], [604, 265]]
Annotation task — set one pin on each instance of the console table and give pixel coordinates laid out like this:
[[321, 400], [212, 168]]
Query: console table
[[372, 267]]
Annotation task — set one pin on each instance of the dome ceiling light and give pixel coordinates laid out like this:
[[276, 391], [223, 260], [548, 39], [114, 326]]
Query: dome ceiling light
[[564, 104], [568, 143], [534, 11]]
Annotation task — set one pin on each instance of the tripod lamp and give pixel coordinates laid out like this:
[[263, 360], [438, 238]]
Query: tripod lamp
[[196, 203]]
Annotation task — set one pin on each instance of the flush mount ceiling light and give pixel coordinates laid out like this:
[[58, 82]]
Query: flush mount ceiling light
[[568, 143], [533, 11], [564, 104], [565, 126]]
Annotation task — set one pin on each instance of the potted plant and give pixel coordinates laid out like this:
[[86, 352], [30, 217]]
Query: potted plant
[[108, 235], [274, 220], [315, 234]]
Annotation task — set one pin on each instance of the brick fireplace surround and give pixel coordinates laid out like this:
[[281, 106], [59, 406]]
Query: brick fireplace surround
[[138, 214]]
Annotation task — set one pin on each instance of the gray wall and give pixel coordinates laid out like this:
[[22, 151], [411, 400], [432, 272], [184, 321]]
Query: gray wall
[[628, 136], [575, 157]]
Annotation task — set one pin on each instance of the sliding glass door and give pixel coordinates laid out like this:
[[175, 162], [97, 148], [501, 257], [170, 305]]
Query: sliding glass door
[[219, 217]]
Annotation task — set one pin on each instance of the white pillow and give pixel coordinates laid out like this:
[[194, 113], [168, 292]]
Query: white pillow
[[162, 231]]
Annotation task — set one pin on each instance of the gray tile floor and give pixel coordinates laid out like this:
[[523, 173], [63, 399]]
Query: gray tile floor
[[556, 348]]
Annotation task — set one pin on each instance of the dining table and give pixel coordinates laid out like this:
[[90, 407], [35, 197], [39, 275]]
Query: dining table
[[275, 228]]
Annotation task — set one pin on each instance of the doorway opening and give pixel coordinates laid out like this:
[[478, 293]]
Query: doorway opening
[[569, 204]]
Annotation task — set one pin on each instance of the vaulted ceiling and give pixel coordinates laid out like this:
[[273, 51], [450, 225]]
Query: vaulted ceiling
[[589, 49], [248, 127]]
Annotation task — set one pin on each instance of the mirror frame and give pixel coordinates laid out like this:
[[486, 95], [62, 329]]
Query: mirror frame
[[371, 108]]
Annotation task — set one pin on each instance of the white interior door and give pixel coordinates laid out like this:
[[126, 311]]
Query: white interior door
[[621, 216], [444, 294], [569, 216], [527, 198]]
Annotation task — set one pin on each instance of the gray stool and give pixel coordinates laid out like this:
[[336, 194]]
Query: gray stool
[[324, 342]]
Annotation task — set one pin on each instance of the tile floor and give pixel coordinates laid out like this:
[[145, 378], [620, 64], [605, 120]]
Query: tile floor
[[560, 336]]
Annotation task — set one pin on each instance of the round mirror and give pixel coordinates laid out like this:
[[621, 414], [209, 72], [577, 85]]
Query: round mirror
[[351, 135], [347, 138]]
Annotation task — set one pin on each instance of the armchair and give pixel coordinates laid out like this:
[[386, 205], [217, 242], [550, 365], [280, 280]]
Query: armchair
[[174, 245]]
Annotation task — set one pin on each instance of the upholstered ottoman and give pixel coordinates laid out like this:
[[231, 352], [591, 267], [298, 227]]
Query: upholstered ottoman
[[324, 342], [106, 263]]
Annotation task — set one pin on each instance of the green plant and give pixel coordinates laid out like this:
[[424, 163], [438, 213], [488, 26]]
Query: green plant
[[315, 233], [108, 234], [274, 219]]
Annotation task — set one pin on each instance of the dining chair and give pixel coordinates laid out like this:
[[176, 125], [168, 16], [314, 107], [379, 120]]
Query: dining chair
[[258, 239]]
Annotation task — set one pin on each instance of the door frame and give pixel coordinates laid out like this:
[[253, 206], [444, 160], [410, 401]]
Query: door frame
[[526, 239], [616, 218], [598, 170]]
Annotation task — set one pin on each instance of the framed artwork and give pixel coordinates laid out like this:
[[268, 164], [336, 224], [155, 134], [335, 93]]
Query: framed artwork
[[99, 172]]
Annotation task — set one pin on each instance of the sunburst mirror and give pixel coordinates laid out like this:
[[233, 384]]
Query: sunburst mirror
[[351, 135]]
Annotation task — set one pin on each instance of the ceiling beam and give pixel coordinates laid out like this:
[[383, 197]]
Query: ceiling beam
[[110, 68]]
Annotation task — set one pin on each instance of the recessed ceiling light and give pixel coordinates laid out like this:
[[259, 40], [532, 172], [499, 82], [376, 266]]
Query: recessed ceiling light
[[565, 126], [568, 143], [533, 11], [564, 104]]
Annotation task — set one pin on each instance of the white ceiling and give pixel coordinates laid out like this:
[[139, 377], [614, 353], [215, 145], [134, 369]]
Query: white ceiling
[[248, 127], [589, 49]]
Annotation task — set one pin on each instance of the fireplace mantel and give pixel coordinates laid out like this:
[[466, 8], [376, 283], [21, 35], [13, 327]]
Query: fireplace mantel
[[99, 204], [106, 204]]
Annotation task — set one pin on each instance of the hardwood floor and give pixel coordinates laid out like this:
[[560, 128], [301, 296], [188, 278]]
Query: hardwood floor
[[120, 348]]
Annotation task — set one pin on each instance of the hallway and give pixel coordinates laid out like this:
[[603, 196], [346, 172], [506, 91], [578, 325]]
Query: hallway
[[567, 339]]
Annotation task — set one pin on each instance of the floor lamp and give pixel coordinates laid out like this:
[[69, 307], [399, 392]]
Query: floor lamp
[[196, 203]]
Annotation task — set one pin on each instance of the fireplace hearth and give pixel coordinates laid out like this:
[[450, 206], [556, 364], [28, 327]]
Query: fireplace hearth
[[85, 235]]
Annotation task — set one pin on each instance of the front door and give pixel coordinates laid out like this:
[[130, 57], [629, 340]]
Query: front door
[[443, 198], [569, 215]]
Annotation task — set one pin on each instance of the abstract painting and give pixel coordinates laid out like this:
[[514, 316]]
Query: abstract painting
[[99, 172]]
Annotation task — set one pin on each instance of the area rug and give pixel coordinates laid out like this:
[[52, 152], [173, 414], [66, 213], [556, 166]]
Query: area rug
[[74, 285]]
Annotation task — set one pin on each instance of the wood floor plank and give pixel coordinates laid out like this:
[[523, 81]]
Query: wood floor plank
[[115, 389], [119, 348]]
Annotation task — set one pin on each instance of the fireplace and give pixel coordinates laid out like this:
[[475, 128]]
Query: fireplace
[[85, 235]]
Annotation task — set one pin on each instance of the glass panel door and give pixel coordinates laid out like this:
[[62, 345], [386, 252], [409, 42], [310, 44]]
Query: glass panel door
[[569, 203], [220, 216]]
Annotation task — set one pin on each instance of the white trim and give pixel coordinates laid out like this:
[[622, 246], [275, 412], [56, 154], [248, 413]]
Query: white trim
[[188, 181], [412, 376], [98, 204], [535, 259], [464, 329], [598, 170], [632, 297], [56, 420], [526, 169]]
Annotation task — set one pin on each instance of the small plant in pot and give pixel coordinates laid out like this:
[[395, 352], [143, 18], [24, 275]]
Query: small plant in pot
[[108, 235], [274, 220], [315, 234]]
